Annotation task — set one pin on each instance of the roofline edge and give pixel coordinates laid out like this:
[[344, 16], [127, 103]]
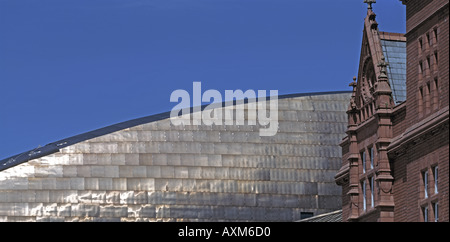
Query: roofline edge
[[54, 147]]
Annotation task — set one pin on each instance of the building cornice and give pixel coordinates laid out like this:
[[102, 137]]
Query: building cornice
[[344, 141], [342, 176], [418, 131], [400, 107], [424, 17]]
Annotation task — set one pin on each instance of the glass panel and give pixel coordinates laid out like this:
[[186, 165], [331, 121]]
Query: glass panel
[[364, 195], [436, 179], [371, 158], [363, 157], [436, 212], [425, 183], [371, 192]]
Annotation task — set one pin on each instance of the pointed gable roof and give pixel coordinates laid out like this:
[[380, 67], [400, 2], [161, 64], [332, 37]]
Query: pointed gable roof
[[375, 47]]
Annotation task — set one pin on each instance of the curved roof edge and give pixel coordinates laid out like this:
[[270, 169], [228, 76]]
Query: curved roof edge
[[56, 146]]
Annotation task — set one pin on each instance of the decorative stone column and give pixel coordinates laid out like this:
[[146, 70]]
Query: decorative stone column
[[384, 179], [353, 121]]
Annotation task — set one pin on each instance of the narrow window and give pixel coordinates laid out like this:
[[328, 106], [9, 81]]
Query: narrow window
[[436, 212], [425, 214], [364, 195], [429, 40], [420, 100], [363, 158], [436, 85], [371, 192], [435, 32], [371, 157], [425, 183], [420, 44], [428, 97], [436, 172], [436, 94], [420, 67], [436, 57], [428, 62]]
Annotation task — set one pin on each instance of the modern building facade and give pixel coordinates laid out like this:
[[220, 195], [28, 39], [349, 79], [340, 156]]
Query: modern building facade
[[395, 154], [151, 170]]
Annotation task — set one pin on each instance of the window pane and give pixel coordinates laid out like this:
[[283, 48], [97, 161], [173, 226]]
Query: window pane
[[371, 193], [436, 212], [363, 157], [364, 195], [425, 214], [435, 31], [436, 179], [371, 158], [425, 183]]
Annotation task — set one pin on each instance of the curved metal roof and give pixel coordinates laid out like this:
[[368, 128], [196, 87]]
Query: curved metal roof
[[56, 146]]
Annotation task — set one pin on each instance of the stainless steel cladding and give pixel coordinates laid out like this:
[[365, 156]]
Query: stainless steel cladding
[[151, 170]]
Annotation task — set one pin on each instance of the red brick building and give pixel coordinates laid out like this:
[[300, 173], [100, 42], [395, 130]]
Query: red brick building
[[396, 152]]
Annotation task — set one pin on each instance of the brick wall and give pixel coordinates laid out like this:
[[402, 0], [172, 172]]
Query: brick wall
[[427, 93], [400, 188], [413, 7], [398, 120], [345, 186], [423, 18], [345, 201], [370, 217], [443, 18], [408, 185]]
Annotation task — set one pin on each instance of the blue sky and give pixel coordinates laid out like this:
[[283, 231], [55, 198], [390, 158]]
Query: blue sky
[[72, 66]]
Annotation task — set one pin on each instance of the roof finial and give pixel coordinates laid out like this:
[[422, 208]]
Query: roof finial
[[369, 3], [353, 83]]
